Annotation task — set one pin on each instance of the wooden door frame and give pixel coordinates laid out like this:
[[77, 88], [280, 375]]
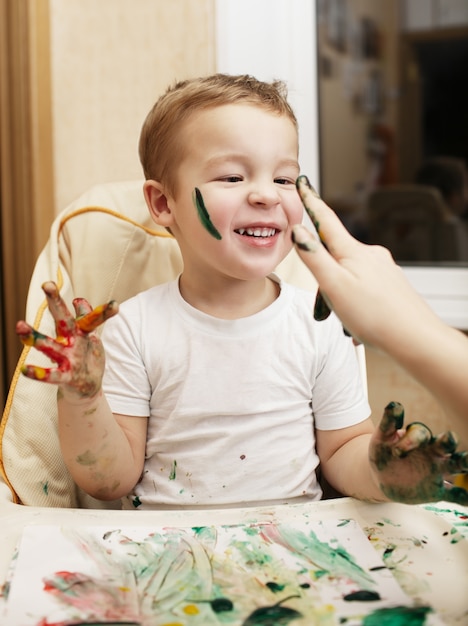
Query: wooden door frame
[[26, 164]]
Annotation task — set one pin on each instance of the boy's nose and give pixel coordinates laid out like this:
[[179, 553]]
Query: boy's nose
[[264, 196]]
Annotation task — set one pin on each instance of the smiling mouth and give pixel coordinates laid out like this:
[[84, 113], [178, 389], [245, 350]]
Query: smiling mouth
[[257, 232]]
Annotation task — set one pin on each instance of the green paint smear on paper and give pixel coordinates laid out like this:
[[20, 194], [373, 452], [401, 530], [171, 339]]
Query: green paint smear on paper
[[332, 559], [275, 614], [461, 514], [398, 616], [204, 215], [173, 473]]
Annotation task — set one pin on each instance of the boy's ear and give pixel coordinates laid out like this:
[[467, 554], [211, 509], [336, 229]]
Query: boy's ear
[[158, 203]]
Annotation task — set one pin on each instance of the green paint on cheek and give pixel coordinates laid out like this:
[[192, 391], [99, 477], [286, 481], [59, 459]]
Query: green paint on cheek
[[45, 488], [204, 215], [398, 616]]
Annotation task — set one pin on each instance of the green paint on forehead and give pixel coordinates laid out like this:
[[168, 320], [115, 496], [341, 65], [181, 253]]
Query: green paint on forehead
[[204, 215]]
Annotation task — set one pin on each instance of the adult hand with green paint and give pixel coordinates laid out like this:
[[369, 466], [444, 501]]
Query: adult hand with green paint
[[370, 294], [411, 465], [77, 350]]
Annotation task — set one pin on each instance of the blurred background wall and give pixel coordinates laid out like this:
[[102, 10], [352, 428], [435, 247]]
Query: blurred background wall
[[109, 62], [77, 78]]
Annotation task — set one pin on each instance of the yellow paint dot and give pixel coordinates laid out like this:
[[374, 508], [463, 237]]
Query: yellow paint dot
[[40, 373], [191, 609], [172, 624]]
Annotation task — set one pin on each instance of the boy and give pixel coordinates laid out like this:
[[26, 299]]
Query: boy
[[220, 388]]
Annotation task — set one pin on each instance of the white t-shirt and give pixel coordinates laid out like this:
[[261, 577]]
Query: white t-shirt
[[232, 404]]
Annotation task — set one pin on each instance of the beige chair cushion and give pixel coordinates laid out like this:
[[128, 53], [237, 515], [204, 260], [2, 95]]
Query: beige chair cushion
[[104, 246]]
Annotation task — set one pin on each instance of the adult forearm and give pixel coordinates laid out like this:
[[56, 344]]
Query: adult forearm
[[94, 447]]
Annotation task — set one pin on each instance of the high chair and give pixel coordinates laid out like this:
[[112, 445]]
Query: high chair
[[103, 246]]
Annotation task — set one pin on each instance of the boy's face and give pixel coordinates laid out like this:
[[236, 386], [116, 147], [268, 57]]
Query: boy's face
[[243, 160]]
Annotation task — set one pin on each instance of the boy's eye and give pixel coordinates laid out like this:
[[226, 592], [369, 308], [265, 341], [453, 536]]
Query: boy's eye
[[231, 179], [284, 181]]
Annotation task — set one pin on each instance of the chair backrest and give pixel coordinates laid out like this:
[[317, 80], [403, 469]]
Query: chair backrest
[[414, 223], [104, 246]]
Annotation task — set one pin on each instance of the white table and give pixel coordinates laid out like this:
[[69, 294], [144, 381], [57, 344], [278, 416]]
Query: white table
[[426, 547]]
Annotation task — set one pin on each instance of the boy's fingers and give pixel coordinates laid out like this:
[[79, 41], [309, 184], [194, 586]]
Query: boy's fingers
[[457, 463], [31, 337], [64, 320], [445, 443], [392, 420], [44, 374], [416, 435], [89, 322], [82, 307], [458, 495], [26, 333]]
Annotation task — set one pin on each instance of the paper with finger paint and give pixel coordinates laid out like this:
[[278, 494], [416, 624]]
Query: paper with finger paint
[[306, 572]]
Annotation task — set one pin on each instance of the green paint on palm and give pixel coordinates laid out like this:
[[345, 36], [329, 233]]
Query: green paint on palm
[[204, 215]]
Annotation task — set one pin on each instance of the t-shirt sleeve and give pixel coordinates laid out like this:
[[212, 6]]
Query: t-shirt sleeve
[[125, 381], [338, 396]]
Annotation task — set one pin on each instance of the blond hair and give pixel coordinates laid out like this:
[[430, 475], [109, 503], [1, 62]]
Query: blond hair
[[160, 147]]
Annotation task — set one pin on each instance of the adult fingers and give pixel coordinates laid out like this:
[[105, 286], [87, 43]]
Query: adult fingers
[[329, 227], [317, 259]]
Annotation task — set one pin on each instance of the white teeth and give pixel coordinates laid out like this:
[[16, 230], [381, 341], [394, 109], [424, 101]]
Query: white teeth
[[257, 232]]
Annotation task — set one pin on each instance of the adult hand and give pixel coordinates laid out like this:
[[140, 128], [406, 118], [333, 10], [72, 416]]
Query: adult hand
[[77, 350], [411, 465], [360, 283]]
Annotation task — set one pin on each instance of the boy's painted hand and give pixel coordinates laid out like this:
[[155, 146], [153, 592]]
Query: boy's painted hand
[[77, 350], [411, 464]]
